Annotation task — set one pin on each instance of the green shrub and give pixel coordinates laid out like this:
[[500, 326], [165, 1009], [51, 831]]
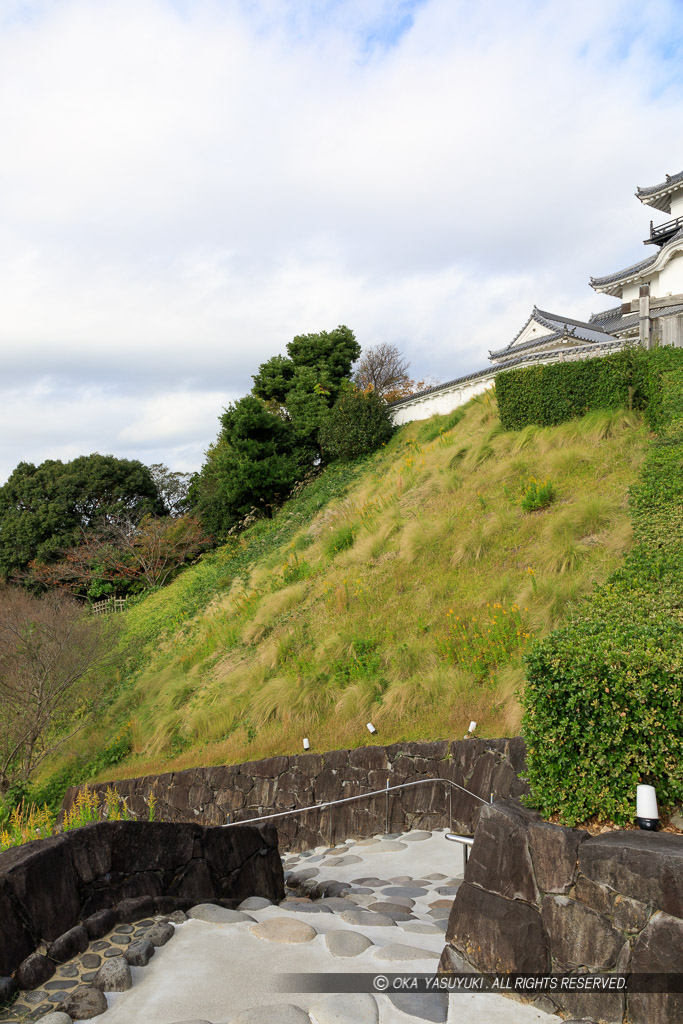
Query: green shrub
[[604, 708], [536, 496], [604, 696], [550, 394], [358, 423]]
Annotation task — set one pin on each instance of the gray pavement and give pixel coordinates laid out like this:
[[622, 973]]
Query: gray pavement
[[230, 971]]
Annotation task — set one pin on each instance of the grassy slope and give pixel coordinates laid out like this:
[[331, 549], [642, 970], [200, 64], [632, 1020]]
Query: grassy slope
[[340, 610]]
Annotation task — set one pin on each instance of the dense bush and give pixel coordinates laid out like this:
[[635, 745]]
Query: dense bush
[[548, 395], [358, 423], [604, 697]]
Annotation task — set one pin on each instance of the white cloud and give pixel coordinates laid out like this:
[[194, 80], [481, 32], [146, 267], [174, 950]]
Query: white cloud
[[184, 186]]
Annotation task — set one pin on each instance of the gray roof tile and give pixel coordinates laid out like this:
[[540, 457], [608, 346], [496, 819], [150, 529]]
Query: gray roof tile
[[556, 325], [650, 190], [636, 268]]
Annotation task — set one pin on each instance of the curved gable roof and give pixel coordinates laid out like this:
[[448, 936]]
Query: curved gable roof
[[556, 326], [659, 196]]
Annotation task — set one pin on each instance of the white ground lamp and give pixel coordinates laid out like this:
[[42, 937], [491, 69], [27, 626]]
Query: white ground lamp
[[647, 814], [371, 729], [307, 745], [470, 731]]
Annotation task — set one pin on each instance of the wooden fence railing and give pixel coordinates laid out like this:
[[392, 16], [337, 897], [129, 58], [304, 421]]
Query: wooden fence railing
[[109, 604]]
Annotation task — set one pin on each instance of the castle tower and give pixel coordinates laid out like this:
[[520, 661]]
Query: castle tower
[[651, 291]]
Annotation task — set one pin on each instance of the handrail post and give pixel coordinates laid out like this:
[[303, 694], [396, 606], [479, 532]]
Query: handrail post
[[450, 808], [386, 810], [331, 829]]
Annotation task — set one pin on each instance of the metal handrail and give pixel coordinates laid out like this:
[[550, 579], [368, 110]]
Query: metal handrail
[[364, 796], [465, 841]]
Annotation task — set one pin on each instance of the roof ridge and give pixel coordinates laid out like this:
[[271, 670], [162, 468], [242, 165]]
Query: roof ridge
[[556, 318], [634, 268], [650, 190]]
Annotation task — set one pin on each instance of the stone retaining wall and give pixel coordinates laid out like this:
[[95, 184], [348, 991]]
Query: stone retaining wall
[[538, 898], [131, 868], [237, 792]]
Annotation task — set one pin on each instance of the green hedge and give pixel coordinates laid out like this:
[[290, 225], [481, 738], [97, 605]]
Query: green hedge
[[604, 696], [548, 395]]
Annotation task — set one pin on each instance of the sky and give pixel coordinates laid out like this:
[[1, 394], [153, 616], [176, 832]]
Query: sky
[[187, 184]]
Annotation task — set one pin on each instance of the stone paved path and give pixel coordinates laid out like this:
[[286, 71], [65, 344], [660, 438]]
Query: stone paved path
[[388, 911]]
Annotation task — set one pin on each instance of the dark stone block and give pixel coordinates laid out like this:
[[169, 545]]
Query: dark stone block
[[135, 909], [69, 944], [226, 848], [328, 786], [496, 934], [8, 987], [579, 937], [151, 845], [647, 866], [100, 923], [453, 963], [516, 754], [448, 769], [378, 778], [261, 797], [178, 798], [630, 915], [16, 941], [402, 768], [244, 783], [194, 880], [500, 860], [605, 1007], [425, 748], [139, 953], [34, 970], [481, 780], [554, 852], [467, 752], [91, 850], [597, 897], [429, 797], [658, 949], [269, 768], [85, 1002], [369, 758], [309, 764], [351, 774], [43, 866], [335, 759]]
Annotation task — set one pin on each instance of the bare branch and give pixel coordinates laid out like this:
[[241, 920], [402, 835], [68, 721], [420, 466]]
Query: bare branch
[[49, 648], [382, 368]]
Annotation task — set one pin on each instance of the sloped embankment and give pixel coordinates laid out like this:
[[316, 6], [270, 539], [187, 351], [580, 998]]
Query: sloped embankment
[[403, 590]]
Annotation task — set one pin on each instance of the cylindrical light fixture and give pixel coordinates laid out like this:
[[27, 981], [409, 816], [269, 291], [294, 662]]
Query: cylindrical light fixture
[[473, 726], [370, 727], [647, 814], [307, 745]]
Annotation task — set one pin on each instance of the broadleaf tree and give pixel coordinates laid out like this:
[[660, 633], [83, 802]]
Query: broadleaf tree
[[45, 508]]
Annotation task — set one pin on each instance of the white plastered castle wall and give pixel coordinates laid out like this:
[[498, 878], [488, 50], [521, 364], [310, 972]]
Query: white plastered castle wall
[[677, 204], [670, 277], [443, 401]]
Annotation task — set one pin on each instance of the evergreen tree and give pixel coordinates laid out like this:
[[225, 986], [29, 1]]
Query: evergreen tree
[[253, 464], [45, 508]]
